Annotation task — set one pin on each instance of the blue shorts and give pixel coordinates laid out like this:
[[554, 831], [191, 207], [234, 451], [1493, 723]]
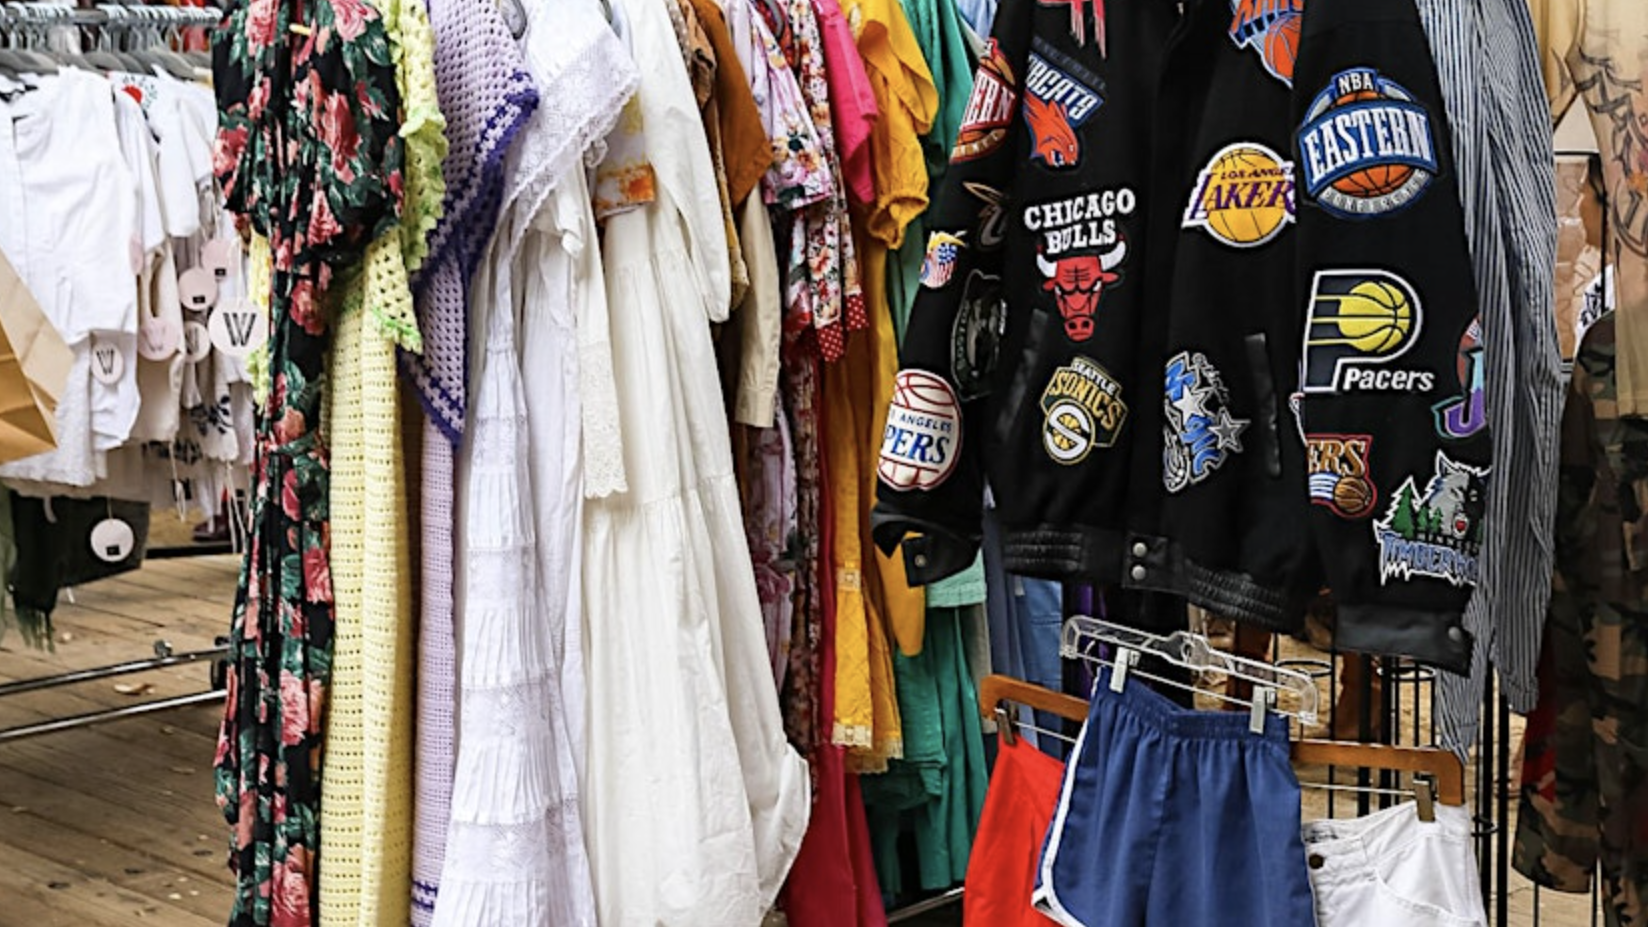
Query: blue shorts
[[1175, 818]]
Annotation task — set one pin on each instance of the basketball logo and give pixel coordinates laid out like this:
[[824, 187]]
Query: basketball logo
[[1466, 413], [1338, 474], [1270, 27], [989, 109], [1083, 409], [1367, 147], [1359, 322], [1244, 197], [922, 442]]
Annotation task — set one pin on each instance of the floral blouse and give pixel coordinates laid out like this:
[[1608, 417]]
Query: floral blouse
[[309, 157]]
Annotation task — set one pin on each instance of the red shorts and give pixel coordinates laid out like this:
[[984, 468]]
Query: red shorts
[[1024, 790]]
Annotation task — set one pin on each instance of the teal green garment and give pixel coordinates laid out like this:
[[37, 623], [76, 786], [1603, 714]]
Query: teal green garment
[[936, 793]]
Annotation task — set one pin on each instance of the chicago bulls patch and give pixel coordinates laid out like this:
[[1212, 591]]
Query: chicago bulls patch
[[922, 441], [1059, 97], [1434, 529], [1081, 252], [1083, 409], [989, 109], [1199, 433]]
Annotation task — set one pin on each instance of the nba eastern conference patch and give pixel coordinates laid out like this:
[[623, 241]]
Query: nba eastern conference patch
[[1366, 148], [922, 442], [1244, 197]]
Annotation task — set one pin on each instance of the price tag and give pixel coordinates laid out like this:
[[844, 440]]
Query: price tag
[[221, 256], [237, 328], [108, 364], [197, 342], [159, 338], [197, 289], [112, 540]]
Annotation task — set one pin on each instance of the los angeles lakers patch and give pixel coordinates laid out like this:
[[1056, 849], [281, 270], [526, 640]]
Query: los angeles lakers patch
[[1367, 148], [1271, 28], [1359, 323], [1083, 409], [1059, 97], [989, 108], [1338, 474], [1243, 197], [922, 441]]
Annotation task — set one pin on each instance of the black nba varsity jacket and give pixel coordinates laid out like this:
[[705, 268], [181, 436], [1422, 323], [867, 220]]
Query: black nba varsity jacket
[[1223, 348]]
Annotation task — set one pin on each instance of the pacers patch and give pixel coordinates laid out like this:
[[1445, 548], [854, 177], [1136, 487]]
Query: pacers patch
[[1059, 97], [1271, 28], [1200, 434], [1244, 197], [1083, 409], [1434, 527], [922, 441], [989, 109], [1467, 413], [1338, 469], [1367, 148], [943, 250], [1359, 322]]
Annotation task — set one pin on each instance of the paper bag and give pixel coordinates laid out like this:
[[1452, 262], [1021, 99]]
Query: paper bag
[[34, 365]]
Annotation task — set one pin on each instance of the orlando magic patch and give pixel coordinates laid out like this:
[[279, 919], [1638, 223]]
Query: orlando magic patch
[[1367, 148], [1200, 434]]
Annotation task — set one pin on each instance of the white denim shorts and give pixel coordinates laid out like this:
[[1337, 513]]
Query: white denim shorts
[[1390, 868]]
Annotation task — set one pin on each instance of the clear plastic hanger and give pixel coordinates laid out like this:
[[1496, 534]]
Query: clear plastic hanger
[[1082, 636]]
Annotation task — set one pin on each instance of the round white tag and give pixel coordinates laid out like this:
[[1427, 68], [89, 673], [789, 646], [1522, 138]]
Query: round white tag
[[197, 289], [108, 364], [159, 338], [197, 342], [112, 540], [221, 256], [237, 328]]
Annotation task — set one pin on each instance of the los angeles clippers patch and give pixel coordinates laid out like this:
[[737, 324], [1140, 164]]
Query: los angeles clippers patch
[[1271, 29], [1199, 433], [922, 441], [975, 339], [1433, 527], [1466, 414], [1243, 197], [1080, 252], [1082, 409], [1338, 473], [1367, 148], [989, 108], [1059, 97], [1358, 325]]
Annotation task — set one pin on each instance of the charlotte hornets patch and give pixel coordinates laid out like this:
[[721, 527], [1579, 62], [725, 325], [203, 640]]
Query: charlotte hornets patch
[[1367, 148], [1271, 28], [1358, 324], [989, 108], [1434, 529], [1083, 409], [1244, 197], [922, 441], [1059, 97], [1199, 433], [975, 339]]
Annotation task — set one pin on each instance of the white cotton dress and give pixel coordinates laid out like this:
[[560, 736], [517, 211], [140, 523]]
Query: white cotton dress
[[695, 804]]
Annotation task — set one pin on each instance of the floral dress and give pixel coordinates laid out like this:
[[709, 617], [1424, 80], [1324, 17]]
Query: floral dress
[[308, 157]]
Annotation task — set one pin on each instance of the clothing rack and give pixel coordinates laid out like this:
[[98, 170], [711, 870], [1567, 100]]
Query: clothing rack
[[115, 17]]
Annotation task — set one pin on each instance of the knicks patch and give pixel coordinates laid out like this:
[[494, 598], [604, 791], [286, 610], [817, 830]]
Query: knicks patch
[[1466, 414], [1359, 322], [1366, 147], [1270, 28], [922, 442], [989, 109], [975, 339], [1434, 525], [939, 265], [1199, 433], [1244, 197], [1338, 473], [1059, 97], [1083, 409]]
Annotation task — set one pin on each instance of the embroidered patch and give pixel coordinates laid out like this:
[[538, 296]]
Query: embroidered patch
[[1078, 20], [1339, 473], [975, 339], [1243, 197], [922, 441], [1367, 147], [989, 108], [1083, 409], [1271, 28], [1436, 531], [1081, 252], [943, 249], [1059, 97], [992, 218], [1199, 433], [1359, 322], [1466, 414]]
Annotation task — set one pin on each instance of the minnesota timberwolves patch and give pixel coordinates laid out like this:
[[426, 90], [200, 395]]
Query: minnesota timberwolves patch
[[1434, 529], [1059, 97], [1271, 28], [1366, 148]]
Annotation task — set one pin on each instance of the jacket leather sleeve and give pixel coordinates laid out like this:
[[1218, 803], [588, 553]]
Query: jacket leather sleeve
[[930, 473]]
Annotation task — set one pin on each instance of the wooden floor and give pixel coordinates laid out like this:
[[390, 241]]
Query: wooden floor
[[115, 825]]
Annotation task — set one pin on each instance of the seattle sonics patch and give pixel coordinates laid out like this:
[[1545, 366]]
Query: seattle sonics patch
[[1367, 148], [1083, 408]]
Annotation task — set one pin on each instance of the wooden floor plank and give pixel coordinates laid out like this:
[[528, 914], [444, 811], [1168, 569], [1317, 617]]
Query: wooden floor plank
[[84, 901]]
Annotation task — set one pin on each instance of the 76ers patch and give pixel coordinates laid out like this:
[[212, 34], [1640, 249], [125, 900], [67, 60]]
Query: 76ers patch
[[1059, 97], [1244, 197], [1367, 148], [922, 442], [989, 109]]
